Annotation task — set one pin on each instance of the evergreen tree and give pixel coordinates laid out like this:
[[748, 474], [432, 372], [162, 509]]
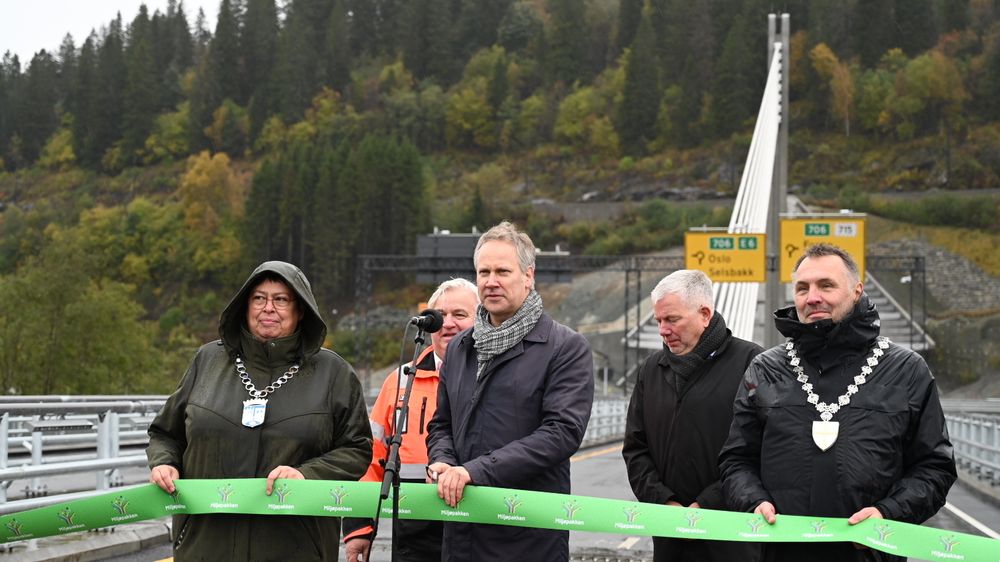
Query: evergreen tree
[[871, 35], [37, 117], [10, 74], [84, 105], [629, 16], [337, 226], [566, 40], [519, 28], [641, 91], [733, 93], [498, 87], [110, 85], [364, 26], [259, 47], [915, 26], [261, 220], [201, 36], [140, 96], [830, 22], [428, 44], [953, 14], [67, 69], [478, 23], [224, 54], [338, 53], [299, 69]]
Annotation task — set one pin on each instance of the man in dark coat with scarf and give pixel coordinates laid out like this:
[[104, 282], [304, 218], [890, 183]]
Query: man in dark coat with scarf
[[837, 421], [681, 410], [514, 399]]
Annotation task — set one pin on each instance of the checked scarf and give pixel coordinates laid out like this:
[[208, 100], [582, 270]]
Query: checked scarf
[[493, 340]]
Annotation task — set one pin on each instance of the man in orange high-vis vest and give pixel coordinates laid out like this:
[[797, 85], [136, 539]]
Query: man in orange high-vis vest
[[416, 541]]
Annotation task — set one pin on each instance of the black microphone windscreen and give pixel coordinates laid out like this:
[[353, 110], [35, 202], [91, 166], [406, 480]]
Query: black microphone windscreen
[[431, 320]]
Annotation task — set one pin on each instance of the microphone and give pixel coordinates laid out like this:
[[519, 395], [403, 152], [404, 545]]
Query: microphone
[[429, 321]]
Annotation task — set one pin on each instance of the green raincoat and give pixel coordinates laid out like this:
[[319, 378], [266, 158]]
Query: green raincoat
[[316, 423]]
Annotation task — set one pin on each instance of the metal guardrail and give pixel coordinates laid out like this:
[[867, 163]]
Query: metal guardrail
[[976, 438], [94, 428], [957, 406], [607, 422]]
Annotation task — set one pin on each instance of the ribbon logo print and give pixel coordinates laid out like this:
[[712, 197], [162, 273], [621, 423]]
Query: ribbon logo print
[[481, 504]]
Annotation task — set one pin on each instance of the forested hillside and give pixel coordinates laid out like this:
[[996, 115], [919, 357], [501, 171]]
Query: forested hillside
[[146, 167]]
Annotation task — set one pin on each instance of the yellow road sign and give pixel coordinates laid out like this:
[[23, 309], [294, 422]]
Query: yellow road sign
[[842, 230], [727, 257]]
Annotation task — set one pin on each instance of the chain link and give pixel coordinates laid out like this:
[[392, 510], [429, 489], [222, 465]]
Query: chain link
[[241, 370], [826, 411]]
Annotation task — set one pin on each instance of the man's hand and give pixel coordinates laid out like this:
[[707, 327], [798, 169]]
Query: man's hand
[[357, 549], [284, 472], [434, 470], [767, 510], [163, 475], [451, 482], [865, 513]]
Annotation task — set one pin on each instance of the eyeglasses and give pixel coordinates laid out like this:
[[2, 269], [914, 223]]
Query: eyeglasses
[[281, 302]]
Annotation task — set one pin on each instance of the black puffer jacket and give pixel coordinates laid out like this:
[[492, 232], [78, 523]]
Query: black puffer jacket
[[892, 451]]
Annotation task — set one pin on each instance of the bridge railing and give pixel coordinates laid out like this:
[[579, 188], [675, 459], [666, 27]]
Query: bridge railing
[[976, 438], [57, 435], [96, 430]]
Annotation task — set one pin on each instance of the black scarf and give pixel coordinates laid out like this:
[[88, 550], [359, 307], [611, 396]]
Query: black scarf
[[684, 366]]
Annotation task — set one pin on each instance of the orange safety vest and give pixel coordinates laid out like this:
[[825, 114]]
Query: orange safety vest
[[423, 403]]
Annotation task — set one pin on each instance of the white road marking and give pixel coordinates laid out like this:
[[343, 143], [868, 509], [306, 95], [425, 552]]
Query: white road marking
[[628, 543], [972, 521]]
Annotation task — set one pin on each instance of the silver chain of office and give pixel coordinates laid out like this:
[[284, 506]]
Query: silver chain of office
[[241, 370], [826, 411]]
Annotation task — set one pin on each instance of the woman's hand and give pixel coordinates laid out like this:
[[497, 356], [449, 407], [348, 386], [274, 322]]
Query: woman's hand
[[284, 472], [163, 475]]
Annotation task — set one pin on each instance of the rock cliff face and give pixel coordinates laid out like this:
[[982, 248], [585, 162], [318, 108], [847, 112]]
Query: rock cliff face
[[963, 318], [956, 284]]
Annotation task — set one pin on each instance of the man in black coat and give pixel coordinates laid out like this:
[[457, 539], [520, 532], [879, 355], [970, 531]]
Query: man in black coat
[[681, 410], [836, 422], [513, 404]]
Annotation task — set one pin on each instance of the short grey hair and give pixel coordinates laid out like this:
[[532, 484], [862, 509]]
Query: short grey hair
[[507, 232], [692, 285], [824, 249], [456, 283]]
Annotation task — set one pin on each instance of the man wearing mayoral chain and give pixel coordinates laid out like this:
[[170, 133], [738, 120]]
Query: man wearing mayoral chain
[[837, 421]]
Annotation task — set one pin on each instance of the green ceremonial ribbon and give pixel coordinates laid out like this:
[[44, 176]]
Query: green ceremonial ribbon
[[498, 506]]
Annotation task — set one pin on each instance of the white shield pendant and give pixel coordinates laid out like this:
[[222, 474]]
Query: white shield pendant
[[253, 412], [825, 433]]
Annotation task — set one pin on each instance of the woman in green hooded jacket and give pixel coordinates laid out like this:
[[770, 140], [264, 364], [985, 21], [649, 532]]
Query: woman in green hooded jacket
[[266, 400]]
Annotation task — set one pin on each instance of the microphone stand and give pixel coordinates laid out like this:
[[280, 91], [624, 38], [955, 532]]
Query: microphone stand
[[391, 475]]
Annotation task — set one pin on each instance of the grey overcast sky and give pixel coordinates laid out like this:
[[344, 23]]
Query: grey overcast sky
[[28, 26]]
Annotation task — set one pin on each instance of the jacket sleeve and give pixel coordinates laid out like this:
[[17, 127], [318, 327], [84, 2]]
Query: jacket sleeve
[[380, 420], [440, 443], [928, 458], [566, 406], [739, 460], [167, 437], [712, 496], [642, 474], [351, 449]]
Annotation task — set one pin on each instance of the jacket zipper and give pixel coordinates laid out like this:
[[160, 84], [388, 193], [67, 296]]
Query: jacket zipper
[[423, 410]]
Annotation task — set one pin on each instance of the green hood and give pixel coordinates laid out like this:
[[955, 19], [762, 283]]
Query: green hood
[[311, 327]]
